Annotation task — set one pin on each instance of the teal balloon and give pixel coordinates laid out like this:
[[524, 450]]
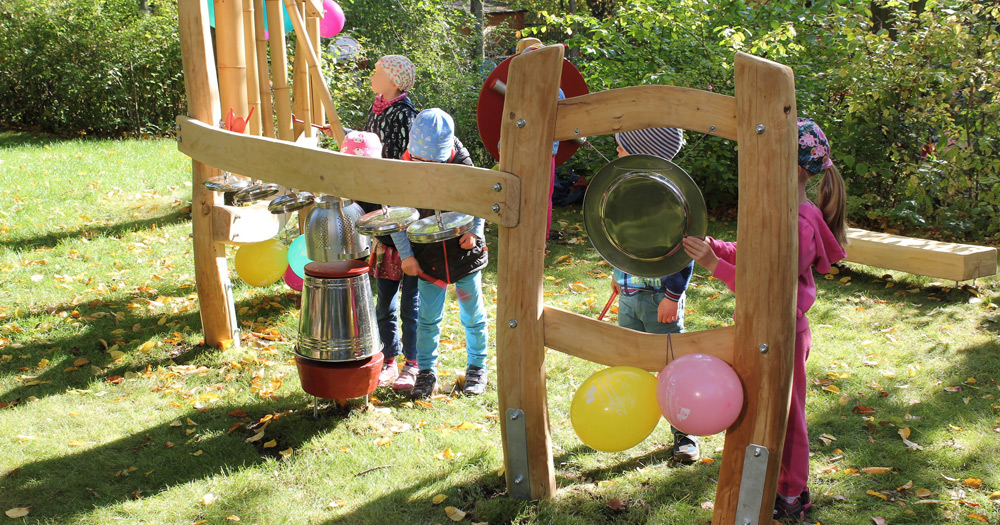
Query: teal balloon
[[284, 11], [297, 256]]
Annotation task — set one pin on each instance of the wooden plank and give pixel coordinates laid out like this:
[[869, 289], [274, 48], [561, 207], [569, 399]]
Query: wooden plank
[[625, 109], [943, 260], [244, 224], [612, 345], [526, 133], [766, 268], [395, 182], [218, 312], [305, 46]]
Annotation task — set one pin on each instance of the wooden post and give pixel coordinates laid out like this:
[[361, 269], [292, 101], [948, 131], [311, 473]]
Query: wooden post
[[263, 77], [526, 151], [313, 59], [218, 312], [766, 268], [250, 51], [279, 70], [232, 60], [300, 76], [313, 18]]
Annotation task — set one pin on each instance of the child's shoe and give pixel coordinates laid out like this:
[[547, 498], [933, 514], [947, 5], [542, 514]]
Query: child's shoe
[[407, 377], [425, 386], [786, 512], [388, 374], [685, 449], [805, 501], [475, 381]]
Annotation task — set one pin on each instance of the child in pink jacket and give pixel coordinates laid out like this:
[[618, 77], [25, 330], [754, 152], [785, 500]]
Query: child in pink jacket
[[822, 237]]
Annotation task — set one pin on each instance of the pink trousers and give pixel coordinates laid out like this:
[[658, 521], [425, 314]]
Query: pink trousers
[[795, 458]]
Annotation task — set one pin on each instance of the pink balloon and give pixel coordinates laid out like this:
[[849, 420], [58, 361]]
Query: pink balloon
[[333, 20], [699, 394], [293, 281]]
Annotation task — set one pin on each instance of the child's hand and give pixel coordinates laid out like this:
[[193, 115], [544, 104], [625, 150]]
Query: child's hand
[[666, 312], [468, 241], [614, 286], [410, 266], [701, 252], [327, 130]]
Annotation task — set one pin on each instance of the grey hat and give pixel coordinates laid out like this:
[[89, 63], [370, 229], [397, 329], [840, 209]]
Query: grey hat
[[661, 142]]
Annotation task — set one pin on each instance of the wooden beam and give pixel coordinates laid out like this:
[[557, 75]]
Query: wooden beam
[[218, 312], [943, 260], [612, 345], [526, 133], [766, 273], [626, 109], [317, 74], [244, 224], [399, 183]]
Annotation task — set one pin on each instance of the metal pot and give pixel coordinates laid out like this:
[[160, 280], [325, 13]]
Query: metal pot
[[331, 232], [337, 319]]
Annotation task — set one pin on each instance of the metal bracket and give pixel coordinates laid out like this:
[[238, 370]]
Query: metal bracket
[[517, 454], [752, 485]]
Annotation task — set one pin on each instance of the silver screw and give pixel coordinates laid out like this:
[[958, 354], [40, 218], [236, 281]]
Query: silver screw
[[760, 129], [521, 123], [519, 479], [577, 131], [763, 348], [513, 415], [711, 128], [756, 452], [178, 138], [495, 208], [497, 187], [512, 323]]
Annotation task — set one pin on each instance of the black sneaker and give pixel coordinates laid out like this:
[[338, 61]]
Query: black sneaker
[[475, 381], [425, 386], [805, 501], [788, 512], [685, 449]]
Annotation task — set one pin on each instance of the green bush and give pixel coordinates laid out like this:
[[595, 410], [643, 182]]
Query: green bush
[[91, 66]]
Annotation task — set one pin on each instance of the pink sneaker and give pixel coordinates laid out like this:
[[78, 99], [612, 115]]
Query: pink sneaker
[[407, 377], [388, 374]]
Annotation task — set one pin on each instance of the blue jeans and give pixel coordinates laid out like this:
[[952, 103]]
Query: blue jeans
[[471, 313], [638, 312], [386, 310]]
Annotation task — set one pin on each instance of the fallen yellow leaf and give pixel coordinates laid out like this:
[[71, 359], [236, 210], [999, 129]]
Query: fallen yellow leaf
[[922, 493], [436, 500], [974, 483], [232, 517], [904, 432], [18, 512], [286, 453], [383, 441], [876, 470], [877, 494], [271, 444], [454, 514], [208, 499]]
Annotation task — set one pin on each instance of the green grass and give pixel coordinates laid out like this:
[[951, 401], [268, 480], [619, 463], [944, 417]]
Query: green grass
[[112, 411]]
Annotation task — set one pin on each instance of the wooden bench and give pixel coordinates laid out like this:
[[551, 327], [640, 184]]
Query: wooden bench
[[943, 260]]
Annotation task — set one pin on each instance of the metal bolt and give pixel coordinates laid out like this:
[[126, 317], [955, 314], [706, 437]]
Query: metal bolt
[[577, 131], [178, 138], [760, 129], [521, 123], [495, 208], [519, 479], [763, 348], [711, 128], [746, 521], [497, 187], [756, 452], [514, 415], [512, 323]]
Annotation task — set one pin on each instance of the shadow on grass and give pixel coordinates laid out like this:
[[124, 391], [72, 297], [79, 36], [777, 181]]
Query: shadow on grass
[[155, 459], [114, 231], [17, 139], [57, 376]]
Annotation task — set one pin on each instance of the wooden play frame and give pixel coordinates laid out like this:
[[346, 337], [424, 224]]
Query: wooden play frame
[[759, 345]]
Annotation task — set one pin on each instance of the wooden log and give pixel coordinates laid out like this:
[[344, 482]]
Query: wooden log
[[612, 345], [766, 268], [313, 17], [530, 107], [279, 71], [313, 60], [263, 75], [231, 56], [399, 183], [218, 312], [250, 51], [626, 109], [943, 260], [241, 225], [301, 99]]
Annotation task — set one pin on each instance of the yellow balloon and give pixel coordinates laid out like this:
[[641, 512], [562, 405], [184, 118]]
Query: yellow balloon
[[262, 263], [615, 408]]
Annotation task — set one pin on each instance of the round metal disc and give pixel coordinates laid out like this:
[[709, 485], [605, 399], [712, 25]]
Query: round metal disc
[[291, 202], [386, 221], [637, 211], [226, 183], [447, 225], [257, 192]]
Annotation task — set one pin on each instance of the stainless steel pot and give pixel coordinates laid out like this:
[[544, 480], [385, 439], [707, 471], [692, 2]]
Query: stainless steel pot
[[337, 319], [331, 231]]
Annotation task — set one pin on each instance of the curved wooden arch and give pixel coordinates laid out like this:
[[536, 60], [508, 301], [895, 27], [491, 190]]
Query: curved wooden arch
[[760, 344]]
